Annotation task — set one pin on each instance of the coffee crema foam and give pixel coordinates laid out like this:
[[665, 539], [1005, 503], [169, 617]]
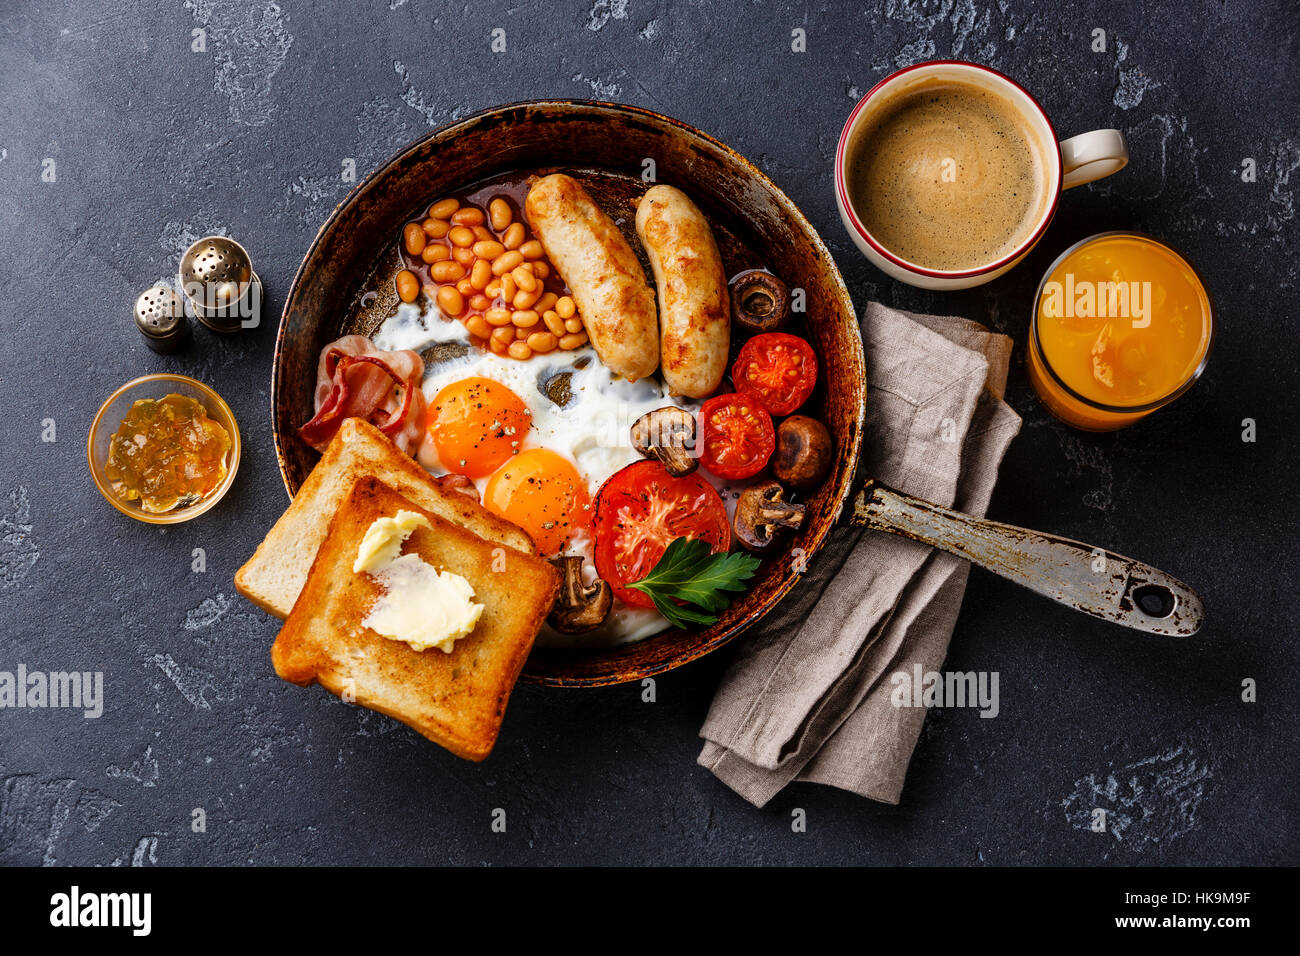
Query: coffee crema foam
[[948, 175]]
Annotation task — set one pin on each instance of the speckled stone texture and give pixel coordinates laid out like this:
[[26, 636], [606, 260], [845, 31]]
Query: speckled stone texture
[[154, 144]]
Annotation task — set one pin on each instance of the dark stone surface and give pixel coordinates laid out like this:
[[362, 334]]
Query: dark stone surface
[[156, 145]]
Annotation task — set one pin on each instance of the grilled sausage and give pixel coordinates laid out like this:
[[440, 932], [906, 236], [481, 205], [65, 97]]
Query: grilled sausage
[[694, 310], [598, 265]]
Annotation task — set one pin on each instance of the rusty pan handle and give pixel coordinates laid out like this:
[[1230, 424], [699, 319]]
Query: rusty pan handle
[[1092, 580]]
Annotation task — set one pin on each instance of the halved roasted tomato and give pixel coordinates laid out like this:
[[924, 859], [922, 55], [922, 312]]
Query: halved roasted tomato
[[640, 510], [777, 370], [736, 436]]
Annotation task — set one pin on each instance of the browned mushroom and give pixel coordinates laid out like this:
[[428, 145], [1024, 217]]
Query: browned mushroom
[[803, 452], [668, 435], [580, 607], [760, 302], [761, 512]]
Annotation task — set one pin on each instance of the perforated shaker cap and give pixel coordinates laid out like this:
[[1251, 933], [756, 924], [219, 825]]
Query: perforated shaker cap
[[160, 317], [217, 275]]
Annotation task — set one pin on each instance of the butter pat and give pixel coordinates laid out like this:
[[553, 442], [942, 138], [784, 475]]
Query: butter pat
[[384, 538], [421, 606]]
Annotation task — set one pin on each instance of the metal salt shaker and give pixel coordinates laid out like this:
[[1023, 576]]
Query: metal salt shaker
[[160, 317]]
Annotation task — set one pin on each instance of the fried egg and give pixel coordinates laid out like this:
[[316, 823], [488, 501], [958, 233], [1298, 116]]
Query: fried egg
[[477, 425], [537, 437], [543, 493]]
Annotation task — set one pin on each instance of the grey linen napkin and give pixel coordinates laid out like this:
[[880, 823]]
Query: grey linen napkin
[[807, 696]]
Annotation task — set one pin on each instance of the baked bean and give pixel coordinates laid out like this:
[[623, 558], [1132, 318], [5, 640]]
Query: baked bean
[[514, 236], [450, 301], [505, 262], [443, 208], [414, 239], [523, 278], [542, 342], [446, 271], [469, 216], [408, 286], [499, 214], [477, 268]]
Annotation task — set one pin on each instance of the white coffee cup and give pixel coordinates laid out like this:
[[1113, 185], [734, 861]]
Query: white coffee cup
[[1073, 162]]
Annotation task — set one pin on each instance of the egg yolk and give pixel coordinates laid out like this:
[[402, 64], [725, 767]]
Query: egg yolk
[[477, 425], [542, 493]]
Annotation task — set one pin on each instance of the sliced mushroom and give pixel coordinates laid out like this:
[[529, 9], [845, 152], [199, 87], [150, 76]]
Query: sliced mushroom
[[803, 452], [761, 512], [760, 302], [580, 607], [668, 435]]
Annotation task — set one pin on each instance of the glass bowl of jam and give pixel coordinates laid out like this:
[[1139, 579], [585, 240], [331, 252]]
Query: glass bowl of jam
[[163, 449]]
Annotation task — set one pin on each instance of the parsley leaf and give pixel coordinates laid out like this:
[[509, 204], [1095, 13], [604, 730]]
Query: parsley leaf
[[689, 571]]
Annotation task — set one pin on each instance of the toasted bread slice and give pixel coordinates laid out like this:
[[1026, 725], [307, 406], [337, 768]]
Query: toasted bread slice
[[275, 573], [455, 699]]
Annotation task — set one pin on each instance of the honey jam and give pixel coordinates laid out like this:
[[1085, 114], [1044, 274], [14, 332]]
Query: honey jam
[[167, 454]]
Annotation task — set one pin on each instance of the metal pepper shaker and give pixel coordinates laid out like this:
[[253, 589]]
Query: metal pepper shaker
[[217, 277], [160, 317]]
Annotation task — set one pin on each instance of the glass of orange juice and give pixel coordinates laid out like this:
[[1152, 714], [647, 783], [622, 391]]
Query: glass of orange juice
[[1122, 325]]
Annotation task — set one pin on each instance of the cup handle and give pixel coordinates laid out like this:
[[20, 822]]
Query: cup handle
[[1090, 156]]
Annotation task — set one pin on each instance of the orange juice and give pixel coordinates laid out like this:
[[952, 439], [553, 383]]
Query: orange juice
[[1122, 326]]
